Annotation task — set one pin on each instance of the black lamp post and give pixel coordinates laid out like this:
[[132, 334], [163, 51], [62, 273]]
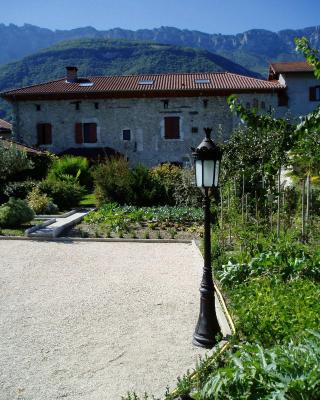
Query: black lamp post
[[207, 159]]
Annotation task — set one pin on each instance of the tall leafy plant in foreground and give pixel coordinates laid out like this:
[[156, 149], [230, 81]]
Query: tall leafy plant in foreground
[[284, 372]]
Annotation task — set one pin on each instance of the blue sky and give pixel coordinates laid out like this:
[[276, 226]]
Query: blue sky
[[212, 16]]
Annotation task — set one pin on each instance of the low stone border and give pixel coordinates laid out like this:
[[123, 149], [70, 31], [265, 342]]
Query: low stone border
[[65, 215], [75, 239], [39, 226]]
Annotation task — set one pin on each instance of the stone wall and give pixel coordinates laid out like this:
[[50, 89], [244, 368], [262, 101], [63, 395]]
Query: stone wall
[[143, 116], [298, 85]]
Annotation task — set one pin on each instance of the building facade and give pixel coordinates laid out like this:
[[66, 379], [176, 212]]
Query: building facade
[[148, 118], [302, 93]]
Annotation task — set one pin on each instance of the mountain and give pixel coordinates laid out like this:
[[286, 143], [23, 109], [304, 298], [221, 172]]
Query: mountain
[[109, 57], [254, 49]]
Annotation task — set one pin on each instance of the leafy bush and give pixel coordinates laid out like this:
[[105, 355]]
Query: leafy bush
[[113, 181], [40, 202], [185, 192], [12, 161], [168, 176], [41, 163], [19, 189], [284, 372], [71, 168], [284, 260], [14, 213], [64, 194], [145, 189], [270, 311]]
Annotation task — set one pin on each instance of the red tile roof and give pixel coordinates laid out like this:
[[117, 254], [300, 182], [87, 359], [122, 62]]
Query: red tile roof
[[162, 84], [4, 125], [295, 66]]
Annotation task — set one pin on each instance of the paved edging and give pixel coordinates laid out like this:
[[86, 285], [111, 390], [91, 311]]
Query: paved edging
[[65, 215], [39, 226], [76, 239]]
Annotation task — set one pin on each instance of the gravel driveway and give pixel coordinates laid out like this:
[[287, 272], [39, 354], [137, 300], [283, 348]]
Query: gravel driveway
[[89, 320]]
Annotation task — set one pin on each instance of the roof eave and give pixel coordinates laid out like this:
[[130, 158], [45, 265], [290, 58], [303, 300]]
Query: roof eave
[[135, 94]]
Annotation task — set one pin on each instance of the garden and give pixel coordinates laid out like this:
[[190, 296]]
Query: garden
[[265, 240], [266, 261]]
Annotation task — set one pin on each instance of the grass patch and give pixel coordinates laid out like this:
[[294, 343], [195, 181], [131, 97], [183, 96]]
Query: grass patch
[[88, 200]]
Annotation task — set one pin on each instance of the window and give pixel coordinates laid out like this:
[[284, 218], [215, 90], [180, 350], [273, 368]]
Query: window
[[263, 105], [205, 103], [248, 105], [96, 106], [255, 103], [126, 134], [86, 84], [44, 134], [202, 81], [194, 129], [146, 82], [314, 93], [86, 133], [172, 128], [38, 107], [165, 104]]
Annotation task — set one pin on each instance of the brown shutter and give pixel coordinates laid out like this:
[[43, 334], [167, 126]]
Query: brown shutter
[[312, 93], [78, 133], [47, 134], [172, 127], [92, 133], [39, 134]]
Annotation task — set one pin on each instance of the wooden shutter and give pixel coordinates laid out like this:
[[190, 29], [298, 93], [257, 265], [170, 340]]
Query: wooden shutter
[[78, 133], [44, 134], [172, 127], [92, 133], [312, 93], [47, 134], [39, 134]]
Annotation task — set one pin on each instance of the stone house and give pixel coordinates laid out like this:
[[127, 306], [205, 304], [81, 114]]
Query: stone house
[[148, 118], [302, 93]]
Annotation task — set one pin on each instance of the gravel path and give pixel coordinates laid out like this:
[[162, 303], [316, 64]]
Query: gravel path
[[91, 321]]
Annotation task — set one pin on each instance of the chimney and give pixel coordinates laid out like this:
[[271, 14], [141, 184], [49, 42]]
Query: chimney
[[72, 74]]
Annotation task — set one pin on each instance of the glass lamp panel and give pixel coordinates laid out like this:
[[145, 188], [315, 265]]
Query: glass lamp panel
[[208, 173], [199, 173], [216, 174]]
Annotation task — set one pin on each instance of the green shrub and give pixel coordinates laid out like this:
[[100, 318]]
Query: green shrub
[[71, 169], [64, 194], [284, 372], [145, 189], [40, 202], [19, 189], [41, 163], [14, 213], [168, 176], [270, 311], [113, 181]]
